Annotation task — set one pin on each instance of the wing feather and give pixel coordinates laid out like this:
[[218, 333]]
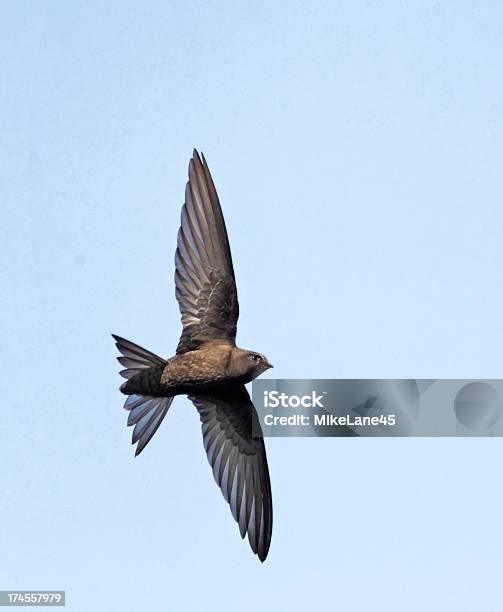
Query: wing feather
[[204, 276], [238, 461]]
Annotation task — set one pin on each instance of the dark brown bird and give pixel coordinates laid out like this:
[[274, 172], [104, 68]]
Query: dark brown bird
[[208, 366]]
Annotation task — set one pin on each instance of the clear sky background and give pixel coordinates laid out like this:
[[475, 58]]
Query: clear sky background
[[357, 150]]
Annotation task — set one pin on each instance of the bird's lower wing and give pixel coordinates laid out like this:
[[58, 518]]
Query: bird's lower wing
[[239, 461]]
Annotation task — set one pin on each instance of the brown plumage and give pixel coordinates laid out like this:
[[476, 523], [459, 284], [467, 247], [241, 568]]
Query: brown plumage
[[207, 366]]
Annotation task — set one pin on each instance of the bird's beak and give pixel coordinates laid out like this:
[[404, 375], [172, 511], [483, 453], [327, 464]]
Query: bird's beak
[[269, 365]]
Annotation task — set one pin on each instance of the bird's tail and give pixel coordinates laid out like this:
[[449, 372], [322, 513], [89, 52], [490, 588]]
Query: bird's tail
[[142, 371]]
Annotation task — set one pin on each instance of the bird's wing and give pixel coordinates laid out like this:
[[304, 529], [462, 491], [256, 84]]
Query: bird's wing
[[204, 276], [239, 462]]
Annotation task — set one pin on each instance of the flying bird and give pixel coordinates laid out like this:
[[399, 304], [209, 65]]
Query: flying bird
[[207, 366]]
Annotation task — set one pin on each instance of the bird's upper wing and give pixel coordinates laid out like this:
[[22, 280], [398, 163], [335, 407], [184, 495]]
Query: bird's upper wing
[[204, 276], [239, 461]]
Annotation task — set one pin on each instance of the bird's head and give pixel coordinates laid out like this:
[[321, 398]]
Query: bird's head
[[249, 363]]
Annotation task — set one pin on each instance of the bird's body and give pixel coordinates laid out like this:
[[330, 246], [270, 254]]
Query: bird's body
[[212, 366], [207, 366]]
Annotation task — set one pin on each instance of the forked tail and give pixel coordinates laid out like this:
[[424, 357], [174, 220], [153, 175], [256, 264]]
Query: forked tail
[[146, 411]]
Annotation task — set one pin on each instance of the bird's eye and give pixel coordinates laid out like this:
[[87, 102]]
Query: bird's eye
[[256, 358]]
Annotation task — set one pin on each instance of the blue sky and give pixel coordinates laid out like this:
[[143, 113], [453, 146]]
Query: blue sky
[[357, 149]]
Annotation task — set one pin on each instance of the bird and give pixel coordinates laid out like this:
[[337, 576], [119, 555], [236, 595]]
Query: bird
[[208, 366]]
